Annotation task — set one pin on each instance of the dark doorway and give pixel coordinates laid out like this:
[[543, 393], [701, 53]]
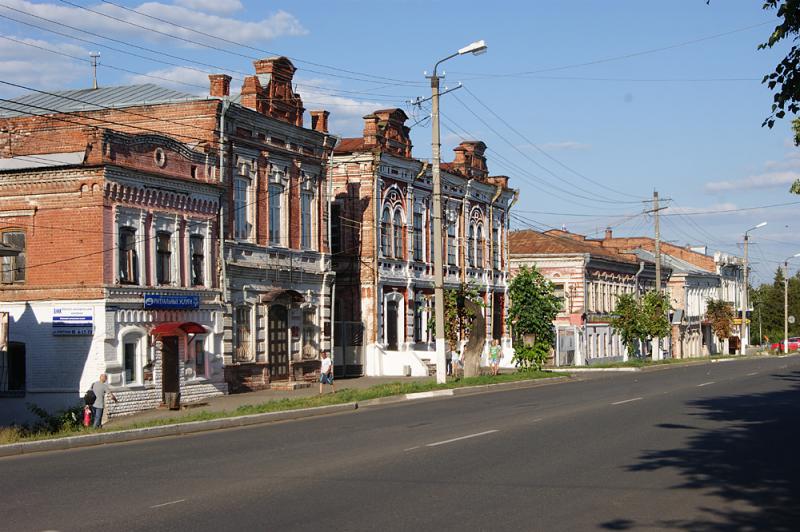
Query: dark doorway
[[391, 325], [497, 317], [170, 380], [12, 368], [278, 342]]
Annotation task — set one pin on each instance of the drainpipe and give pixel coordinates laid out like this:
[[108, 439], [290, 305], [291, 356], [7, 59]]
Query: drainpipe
[[505, 261], [491, 256], [376, 165], [223, 269]]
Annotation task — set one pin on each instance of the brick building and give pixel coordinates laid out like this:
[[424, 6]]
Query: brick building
[[264, 176], [382, 241], [118, 240], [588, 278]]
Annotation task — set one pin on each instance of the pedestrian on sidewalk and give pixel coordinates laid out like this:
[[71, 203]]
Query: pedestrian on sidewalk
[[456, 362], [100, 389], [448, 362], [494, 357], [326, 372]]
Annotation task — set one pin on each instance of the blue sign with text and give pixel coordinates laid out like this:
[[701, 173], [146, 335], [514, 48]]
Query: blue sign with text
[[161, 301]]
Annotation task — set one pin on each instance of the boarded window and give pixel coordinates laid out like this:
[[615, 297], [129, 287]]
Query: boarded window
[[14, 267], [128, 259]]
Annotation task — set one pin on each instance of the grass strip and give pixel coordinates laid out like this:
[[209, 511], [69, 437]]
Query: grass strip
[[346, 395]]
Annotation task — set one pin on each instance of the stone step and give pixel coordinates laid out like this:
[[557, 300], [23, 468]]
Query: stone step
[[289, 385]]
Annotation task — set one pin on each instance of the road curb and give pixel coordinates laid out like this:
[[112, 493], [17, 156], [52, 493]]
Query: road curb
[[594, 370], [176, 429]]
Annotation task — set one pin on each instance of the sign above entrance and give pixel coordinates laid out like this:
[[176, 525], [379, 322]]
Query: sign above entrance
[[162, 301]]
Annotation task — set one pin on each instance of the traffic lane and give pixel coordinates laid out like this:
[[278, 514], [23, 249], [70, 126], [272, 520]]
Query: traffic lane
[[556, 474], [272, 447]]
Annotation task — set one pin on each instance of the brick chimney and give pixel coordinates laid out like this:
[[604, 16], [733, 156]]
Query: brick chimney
[[609, 234], [469, 159], [220, 85], [319, 121]]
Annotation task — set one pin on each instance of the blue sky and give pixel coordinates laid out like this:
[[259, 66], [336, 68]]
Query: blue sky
[[606, 100]]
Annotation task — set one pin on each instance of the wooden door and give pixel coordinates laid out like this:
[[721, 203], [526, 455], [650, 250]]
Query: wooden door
[[278, 342], [170, 380]]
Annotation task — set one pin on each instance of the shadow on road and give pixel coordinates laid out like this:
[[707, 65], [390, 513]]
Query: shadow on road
[[750, 462]]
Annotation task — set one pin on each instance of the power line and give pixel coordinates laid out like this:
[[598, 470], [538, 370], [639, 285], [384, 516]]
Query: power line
[[243, 45], [628, 55], [205, 45], [540, 150]]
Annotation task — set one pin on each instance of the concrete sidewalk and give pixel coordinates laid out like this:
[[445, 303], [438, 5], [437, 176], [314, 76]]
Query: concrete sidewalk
[[232, 402]]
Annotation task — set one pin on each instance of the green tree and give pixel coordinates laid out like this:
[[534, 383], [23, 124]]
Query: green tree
[[534, 307], [626, 321], [720, 314], [458, 317], [641, 320], [784, 81], [768, 309]]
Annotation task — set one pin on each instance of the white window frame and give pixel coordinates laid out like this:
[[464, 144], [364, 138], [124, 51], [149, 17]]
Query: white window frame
[[140, 336], [200, 228], [308, 188], [166, 224], [133, 219]]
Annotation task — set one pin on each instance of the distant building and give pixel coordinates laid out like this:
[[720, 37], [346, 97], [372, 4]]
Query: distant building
[[588, 278], [382, 241]]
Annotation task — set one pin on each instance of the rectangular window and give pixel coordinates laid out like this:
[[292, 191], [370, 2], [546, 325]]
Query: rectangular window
[[451, 243], [128, 260], [275, 197], [558, 291], [14, 267], [336, 228], [242, 352], [386, 234], [310, 347], [419, 306], [496, 248], [241, 208], [418, 236], [199, 358], [129, 362], [163, 257], [305, 220], [197, 256], [471, 247], [479, 243]]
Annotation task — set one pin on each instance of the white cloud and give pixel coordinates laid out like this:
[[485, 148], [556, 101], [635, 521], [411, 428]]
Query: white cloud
[[570, 145], [179, 78], [346, 113], [31, 65], [212, 6], [763, 180], [278, 24]]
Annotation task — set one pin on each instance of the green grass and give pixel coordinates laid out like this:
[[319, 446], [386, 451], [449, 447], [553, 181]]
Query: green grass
[[347, 395]]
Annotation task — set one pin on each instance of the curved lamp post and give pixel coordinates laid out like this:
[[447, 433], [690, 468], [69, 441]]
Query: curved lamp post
[[744, 331], [476, 48]]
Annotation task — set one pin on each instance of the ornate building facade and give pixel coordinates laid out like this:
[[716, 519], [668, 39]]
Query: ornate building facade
[[382, 238]]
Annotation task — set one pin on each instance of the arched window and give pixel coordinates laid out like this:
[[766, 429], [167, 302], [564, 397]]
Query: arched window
[[386, 228], [479, 247], [471, 246], [135, 366], [398, 234]]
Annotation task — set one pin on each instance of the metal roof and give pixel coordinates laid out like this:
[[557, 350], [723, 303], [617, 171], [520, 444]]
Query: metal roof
[[71, 101], [674, 263], [22, 162]]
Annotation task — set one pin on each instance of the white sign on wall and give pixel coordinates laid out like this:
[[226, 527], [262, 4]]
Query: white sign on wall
[[73, 321]]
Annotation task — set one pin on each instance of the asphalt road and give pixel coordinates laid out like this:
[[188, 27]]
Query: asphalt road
[[705, 447]]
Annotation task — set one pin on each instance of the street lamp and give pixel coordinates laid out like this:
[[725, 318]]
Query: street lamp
[[786, 302], [743, 329], [476, 48]]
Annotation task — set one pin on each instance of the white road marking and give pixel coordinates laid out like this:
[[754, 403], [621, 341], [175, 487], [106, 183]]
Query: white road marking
[[627, 401], [411, 448], [168, 503], [705, 384], [537, 420], [484, 433], [753, 373]]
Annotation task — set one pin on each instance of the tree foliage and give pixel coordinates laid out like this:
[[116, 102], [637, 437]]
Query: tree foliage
[[534, 307], [458, 316], [720, 314], [641, 320], [768, 314], [784, 81]]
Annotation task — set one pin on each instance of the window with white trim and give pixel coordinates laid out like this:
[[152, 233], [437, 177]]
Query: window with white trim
[[452, 243], [197, 257], [136, 369], [479, 243], [163, 258], [128, 258], [275, 219], [386, 230], [306, 216], [418, 236], [471, 246], [241, 208], [398, 229]]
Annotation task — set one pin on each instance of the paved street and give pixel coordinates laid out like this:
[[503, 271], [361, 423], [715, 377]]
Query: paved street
[[703, 447]]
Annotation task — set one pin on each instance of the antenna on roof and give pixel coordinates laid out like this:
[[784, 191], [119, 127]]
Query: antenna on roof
[[94, 56]]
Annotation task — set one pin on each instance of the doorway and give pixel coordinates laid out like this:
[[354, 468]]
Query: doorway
[[391, 325], [278, 342], [170, 379]]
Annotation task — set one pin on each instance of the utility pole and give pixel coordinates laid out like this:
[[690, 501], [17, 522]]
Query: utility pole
[[475, 48], [94, 56], [786, 307], [658, 242]]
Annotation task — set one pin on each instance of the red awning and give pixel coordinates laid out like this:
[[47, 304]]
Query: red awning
[[173, 328], [271, 295]]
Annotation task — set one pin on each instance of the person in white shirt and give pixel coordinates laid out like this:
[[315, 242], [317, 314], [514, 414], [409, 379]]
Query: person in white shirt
[[326, 372]]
